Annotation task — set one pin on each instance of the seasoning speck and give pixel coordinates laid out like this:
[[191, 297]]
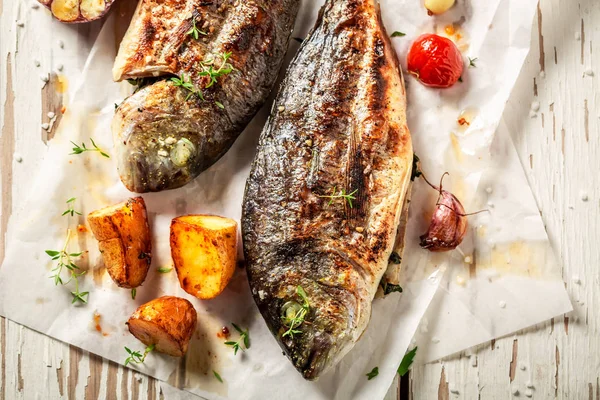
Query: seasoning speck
[[532, 114], [529, 384], [17, 157], [44, 78], [490, 204], [542, 74], [502, 304], [51, 114], [576, 280], [20, 23], [35, 5], [577, 36], [61, 44], [468, 260], [36, 63], [489, 190], [522, 366], [163, 153], [584, 196], [281, 108], [45, 125], [528, 392], [359, 229], [460, 280], [435, 339], [60, 67], [535, 106], [589, 71], [453, 388], [515, 391], [308, 142]]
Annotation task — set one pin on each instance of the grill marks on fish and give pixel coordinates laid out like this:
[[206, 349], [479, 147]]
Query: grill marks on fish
[[338, 122], [158, 44]]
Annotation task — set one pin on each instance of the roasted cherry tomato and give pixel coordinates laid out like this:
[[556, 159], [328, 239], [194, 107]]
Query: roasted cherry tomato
[[435, 61]]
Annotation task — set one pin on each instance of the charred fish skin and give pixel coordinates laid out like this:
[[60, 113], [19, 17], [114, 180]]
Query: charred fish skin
[[166, 134], [327, 186]]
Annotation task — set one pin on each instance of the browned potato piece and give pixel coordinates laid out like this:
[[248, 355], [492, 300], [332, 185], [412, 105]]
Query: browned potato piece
[[123, 236], [204, 250], [167, 322], [77, 10]]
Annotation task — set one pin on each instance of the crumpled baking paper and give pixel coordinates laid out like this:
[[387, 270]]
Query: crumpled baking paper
[[511, 282]]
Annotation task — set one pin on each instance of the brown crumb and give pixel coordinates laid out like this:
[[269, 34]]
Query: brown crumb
[[224, 333], [462, 121]]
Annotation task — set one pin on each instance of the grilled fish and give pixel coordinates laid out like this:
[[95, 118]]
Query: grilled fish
[[327, 187], [204, 68]]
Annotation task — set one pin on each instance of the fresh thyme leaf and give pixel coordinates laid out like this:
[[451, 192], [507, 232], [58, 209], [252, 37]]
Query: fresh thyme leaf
[[243, 340], [70, 208], [407, 361], [194, 31], [212, 73], [472, 62], [294, 313], [133, 293], [219, 104], [348, 197], [217, 376], [390, 287], [395, 258], [398, 34], [81, 149], [64, 261], [136, 357], [374, 372], [416, 172], [164, 270]]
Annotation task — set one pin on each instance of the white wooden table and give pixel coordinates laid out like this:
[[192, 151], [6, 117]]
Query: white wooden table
[[559, 149]]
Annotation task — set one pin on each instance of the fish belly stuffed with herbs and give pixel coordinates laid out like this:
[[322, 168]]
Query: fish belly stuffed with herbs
[[327, 187], [202, 70]]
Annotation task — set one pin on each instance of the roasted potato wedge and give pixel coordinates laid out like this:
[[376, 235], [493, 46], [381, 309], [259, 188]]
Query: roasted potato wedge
[[123, 236], [73, 11], [204, 251], [167, 322]]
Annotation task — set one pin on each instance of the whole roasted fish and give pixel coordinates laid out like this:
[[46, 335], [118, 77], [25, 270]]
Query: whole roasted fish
[[203, 68], [327, 187]]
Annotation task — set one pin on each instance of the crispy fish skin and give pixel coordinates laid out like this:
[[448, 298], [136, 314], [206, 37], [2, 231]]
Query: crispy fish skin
[[164, 134], [339, 121]]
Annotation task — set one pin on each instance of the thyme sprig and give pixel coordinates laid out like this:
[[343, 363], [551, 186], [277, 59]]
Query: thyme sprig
[[295, 314], [472, 62], [65, 261], [71, 207], [341, 194], [212, 73], [194, 31], [81, 149], [243, 340], [185, 83], [137, 357]]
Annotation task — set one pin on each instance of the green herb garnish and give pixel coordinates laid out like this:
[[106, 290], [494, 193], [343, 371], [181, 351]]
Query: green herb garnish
[[294, 313], [398, 34], [472, 62], [133, 293], [65, 260], [81, 149], [243, 340], [164, 270], [395, 258], [187, 85], [70, 207], [136, 357], [217, 376], [194, 31], [212, 73], [390, 287], [374, 372], [407, 361], [340, 195]]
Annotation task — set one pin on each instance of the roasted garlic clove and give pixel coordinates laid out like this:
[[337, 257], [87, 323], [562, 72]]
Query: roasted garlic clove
[[73, 11]]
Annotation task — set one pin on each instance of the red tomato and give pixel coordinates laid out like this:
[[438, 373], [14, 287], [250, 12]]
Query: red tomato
[[435, 61]]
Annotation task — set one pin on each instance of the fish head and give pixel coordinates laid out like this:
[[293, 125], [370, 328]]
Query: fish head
[[315, 324]]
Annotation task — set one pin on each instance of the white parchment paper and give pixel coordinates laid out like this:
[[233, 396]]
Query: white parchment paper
[[513, 280]]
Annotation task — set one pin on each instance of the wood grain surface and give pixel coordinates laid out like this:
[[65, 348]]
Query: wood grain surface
[[558, 146]]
